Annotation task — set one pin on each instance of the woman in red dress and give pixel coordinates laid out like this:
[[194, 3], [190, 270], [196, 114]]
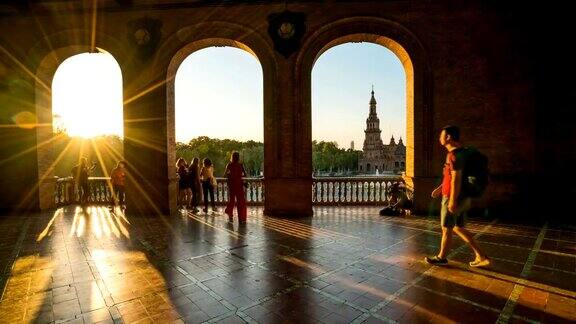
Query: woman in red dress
[[234, 173]]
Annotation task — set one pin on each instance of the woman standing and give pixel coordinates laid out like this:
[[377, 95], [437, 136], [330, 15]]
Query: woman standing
[[118, 178], [194, 184], [80, 172], [208, 183], [183, 187], [234, 173]]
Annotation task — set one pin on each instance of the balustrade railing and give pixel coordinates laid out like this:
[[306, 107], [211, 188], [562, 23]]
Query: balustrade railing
[[254, 191], [353, 190], [325, 191], [67, 192]]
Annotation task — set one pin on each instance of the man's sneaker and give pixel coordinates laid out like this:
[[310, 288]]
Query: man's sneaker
[[435, 260], [480, 263]]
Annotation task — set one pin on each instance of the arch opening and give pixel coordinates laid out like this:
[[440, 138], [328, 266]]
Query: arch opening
[[345, 113], [419, 118], [79, 108], [229, 109]]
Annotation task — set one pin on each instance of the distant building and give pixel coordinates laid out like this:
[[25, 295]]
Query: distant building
[[352, 146], [375, 155]]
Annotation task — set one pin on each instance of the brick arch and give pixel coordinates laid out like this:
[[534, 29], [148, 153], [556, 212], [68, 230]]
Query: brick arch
[[194, 38], [45, 58], [413, 57]]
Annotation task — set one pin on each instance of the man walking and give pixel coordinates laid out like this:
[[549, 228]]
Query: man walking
[[454, 203]]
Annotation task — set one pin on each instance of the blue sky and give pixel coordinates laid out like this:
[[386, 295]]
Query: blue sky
[[219, 93]]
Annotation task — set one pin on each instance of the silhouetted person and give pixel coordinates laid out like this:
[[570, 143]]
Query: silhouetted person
[[208, 183], [399, 202], [118, 179], [454, 203], [184, 192], [80, 172], [194, 184], [234, 173]]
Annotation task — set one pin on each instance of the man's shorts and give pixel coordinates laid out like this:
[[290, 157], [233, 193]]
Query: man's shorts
[[448, 219]]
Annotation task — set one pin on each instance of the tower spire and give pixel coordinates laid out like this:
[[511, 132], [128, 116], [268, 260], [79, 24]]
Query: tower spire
[[373, 100]]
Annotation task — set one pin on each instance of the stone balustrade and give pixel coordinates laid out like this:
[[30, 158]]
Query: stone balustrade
[[327, 191], [67, 193]]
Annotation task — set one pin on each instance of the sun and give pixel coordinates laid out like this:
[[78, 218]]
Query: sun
[[87, 96]]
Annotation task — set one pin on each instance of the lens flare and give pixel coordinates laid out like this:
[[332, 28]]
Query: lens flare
[[25, 120]]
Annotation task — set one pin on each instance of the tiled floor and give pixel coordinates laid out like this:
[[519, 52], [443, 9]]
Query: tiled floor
[[342, 265]]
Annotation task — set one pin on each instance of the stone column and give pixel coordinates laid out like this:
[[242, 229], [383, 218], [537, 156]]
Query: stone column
[[145, 150], [422, 188], [288, 148]]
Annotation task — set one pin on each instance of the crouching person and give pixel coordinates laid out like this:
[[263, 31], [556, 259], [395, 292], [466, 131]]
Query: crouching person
[[399, 203]]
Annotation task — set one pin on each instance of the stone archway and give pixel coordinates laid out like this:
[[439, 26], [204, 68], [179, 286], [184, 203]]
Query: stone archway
[[189, 40], [46, 61], [413, 57]]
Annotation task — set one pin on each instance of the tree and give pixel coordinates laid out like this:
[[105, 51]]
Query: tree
[[219, 152], [327, 157]]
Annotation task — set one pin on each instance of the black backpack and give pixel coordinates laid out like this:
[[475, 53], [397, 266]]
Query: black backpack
[[475, 173]]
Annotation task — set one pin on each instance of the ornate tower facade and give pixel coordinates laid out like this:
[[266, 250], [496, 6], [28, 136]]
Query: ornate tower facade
[[375, 156], [370, 159]]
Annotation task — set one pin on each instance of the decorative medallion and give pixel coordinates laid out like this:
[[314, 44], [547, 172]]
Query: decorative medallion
[[144, 34], [286, 30]]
